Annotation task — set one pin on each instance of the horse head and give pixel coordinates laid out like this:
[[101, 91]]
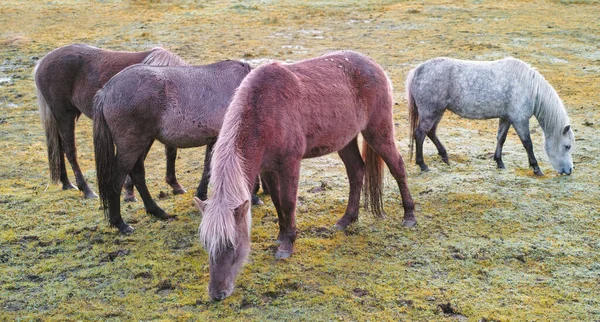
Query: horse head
[[227, 255], [559, 146]]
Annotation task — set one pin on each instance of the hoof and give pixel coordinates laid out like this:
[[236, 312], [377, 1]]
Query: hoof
[[256, 201], [337, 226], [501, 166], [343, 223], [424, 168], [179, 191], [90, 195], [409, 222], [446, 161], [282, 254], [130, 199], [69, 186], [124, 228], [538, 172]]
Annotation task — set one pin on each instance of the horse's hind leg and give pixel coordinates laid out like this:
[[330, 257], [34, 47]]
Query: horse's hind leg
[[432, 135], [522, 129], [380, 138], [503, 127], [201, 191], [138, 175], [67, 133], [171, 178], [64, 179], [355, 169], [129, 193]]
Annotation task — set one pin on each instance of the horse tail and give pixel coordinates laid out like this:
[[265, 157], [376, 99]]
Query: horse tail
[[413, 112], [161, 57], [50, 125], [104, 150], [373, 184]]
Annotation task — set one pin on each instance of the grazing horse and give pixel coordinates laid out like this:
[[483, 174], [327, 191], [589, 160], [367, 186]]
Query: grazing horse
[[181, 107], [281, 114], [66, 81], [507, 89]]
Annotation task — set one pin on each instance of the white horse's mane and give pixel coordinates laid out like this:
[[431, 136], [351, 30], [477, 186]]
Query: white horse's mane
[[548, 108]]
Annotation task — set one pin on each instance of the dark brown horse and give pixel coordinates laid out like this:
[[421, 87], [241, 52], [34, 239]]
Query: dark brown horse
[[181, 107], [281, 114], [66, 81]]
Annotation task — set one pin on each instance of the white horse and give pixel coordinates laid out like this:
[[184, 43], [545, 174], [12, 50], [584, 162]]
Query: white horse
[[508, 89]]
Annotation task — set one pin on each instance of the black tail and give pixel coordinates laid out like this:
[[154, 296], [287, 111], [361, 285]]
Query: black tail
[[413, 112], [104, 149]]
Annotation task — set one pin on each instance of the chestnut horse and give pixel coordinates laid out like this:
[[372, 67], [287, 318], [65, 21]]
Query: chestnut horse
[[66, 81], [281, 114], [181, 107]]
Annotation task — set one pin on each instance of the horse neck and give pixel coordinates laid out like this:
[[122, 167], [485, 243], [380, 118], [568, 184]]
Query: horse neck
[[235, 165], [549, 109]]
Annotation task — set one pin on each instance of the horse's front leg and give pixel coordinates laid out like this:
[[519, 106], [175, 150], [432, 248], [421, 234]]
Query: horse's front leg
[[285, 204], [171, 178], [503, 127], [522, 130], [355, 169]]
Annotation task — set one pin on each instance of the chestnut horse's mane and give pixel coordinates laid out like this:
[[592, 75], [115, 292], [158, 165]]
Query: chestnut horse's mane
[[228, 182]]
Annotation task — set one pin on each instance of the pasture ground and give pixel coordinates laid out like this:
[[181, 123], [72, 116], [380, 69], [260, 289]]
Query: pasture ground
[[489, 244]]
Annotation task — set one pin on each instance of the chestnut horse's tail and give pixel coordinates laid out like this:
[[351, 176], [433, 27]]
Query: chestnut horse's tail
[[53, 142], [373, 184], [104, 150], [413, 112]]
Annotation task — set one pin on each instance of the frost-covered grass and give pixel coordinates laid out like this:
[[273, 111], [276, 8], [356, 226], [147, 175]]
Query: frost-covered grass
[[490, 244]]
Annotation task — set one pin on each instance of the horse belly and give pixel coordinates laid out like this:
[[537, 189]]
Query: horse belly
[[187, 134], [327, 142]]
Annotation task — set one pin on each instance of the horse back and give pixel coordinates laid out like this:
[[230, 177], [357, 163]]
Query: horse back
[[316, 106], [471, 89], [74, 73], [180, 106]]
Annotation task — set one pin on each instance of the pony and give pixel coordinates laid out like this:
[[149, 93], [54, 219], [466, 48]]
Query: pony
[[281, 114], [180, 106], [66, 81], [508, 89]]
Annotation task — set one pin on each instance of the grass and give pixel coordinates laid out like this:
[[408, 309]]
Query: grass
[[489, 245]]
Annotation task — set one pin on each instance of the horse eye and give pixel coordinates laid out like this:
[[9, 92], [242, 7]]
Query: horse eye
[[568, 147]]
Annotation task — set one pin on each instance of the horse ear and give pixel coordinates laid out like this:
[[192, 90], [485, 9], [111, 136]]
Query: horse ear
[[201, 204], [566, 129], [242, 210]]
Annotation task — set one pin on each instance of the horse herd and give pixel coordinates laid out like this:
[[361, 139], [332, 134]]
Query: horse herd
[[262, 122]]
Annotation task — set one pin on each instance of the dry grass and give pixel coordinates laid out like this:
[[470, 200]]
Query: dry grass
[[494, 245]]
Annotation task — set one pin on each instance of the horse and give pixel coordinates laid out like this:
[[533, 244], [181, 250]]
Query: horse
[[281, 114], [180, 106], [66, 81], [508, 89]]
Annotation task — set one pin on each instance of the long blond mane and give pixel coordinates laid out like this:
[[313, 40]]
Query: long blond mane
[[228, 182]]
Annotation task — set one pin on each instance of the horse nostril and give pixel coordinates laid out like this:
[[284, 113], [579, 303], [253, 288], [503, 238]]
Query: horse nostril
[[222, 296]]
